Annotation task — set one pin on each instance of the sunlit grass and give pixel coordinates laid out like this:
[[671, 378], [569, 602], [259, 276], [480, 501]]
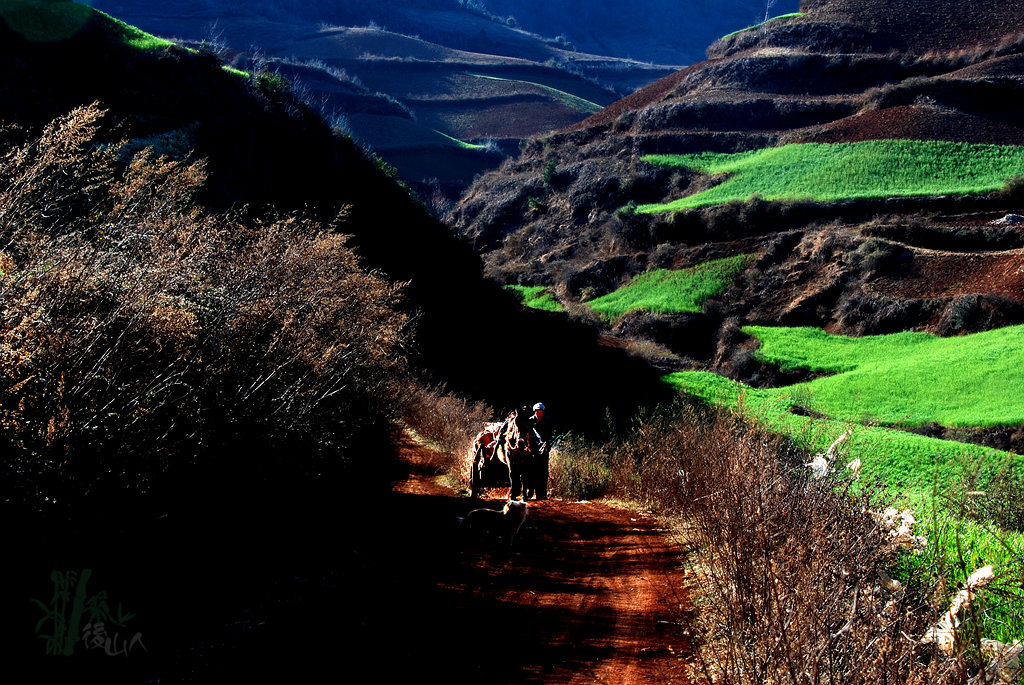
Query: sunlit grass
[[672, 291], [928, 475], [763, 23], [537, 297], [568, 99], [460, 143], [830, 172], [904, 379], [909, 461]]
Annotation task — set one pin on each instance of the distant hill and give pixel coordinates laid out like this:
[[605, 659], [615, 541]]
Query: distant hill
[[428, 58], [917, 242], [659, 31]]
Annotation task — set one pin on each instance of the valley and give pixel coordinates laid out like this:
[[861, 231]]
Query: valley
[[266, 274]]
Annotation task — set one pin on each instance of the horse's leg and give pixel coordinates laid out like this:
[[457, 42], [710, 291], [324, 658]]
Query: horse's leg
[[475, 475]]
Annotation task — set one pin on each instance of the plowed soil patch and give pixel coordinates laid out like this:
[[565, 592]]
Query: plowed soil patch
[[915, 123], [935, 275]]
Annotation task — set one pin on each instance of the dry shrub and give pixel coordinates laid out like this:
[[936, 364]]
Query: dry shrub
[[446, 421], [789, 570], [138, 332], [580, 470]]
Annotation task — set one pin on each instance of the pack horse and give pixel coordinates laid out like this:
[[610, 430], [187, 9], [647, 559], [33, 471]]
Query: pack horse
[[504, 454]]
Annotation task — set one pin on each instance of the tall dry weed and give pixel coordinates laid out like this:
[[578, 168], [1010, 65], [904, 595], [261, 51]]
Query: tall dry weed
[[446, 421]]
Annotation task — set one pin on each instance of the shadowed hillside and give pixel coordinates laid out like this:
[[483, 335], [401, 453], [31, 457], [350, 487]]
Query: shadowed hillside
[[267, 154], [445, 91]]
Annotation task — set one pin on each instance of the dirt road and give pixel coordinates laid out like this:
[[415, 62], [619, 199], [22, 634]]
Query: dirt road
[[588, 593], [367, 587]]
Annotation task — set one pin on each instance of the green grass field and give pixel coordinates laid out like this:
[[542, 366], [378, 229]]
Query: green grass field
[[537, 297], [882, 383], [902, 459], [50, 21], [930, 476], [671, 291], [460, 143], [905, 379], [827, 172]]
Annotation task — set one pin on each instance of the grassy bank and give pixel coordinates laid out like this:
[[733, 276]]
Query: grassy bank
[[790, 570], [537, 297], [964, 495], [40, 21]]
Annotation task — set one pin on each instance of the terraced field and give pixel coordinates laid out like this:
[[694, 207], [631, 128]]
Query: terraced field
[[869, 169]]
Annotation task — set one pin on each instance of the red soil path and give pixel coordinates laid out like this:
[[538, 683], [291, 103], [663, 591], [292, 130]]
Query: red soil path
[[588, 593]]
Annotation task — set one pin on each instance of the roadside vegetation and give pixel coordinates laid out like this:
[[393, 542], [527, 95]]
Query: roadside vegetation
[[142, 337], [669, 291], [862, 170], [800, 579], [966, 497]]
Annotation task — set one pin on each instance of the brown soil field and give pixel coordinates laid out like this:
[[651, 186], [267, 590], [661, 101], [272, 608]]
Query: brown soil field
[[948, 274], [927, 25], [642, 98], [914, 123]]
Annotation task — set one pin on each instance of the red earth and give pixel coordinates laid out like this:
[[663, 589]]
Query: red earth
[[588, 593], [915, 123], [948, 274]]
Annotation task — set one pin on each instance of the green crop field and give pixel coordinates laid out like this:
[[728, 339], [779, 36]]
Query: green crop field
[[933, 477], [902, 459], [882, 382], [537, 297], [48, 21], [905, 379], [829, 172], [670, 291]]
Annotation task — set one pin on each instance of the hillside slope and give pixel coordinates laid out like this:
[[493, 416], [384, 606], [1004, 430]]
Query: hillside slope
[[564, 215], [265, 156]]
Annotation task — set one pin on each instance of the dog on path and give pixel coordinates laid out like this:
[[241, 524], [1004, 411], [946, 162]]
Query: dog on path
[[492, 523]]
